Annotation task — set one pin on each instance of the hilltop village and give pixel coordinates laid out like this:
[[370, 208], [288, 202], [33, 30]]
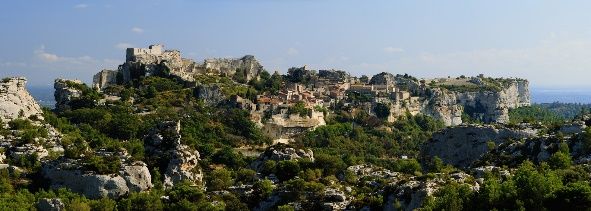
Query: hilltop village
[[163, 132], [314, 92]]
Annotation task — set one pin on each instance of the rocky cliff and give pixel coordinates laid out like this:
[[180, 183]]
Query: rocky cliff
[[65, 92], [487, 104], [15, 100]]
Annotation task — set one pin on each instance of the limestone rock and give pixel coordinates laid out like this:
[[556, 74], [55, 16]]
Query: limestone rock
[[65, 92], [52, 204], [383, 78], [15, 100], [487, 105], [137, 176], [154, 60], [184, 165], [210, 94], [281, 152], [104, 78], [67, 173], [335, 199], [248, 66], [165, 141]]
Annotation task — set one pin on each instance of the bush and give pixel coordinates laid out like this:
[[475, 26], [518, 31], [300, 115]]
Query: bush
[[219, 179], [103, 165]]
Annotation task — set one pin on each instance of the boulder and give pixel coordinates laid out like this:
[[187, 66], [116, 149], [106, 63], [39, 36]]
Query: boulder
[[281, 152], [67, 173], [52, 204], [183, 166]]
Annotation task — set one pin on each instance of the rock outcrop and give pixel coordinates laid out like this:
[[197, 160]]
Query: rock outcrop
[[51, 204], [67, 173], [248, 66], [154, 60], [410, 194], [183, 166], [285, 126], [383, 78], [104, 78], [15, 100], [165, 141], [281, 152], [66, 91], [210, 94], [460, 146], [485, 104]]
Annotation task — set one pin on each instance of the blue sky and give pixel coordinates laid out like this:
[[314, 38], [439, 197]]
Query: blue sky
[[547, 42]]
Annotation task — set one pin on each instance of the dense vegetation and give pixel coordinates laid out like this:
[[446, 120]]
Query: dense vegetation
[[219, 132], [548, 113]]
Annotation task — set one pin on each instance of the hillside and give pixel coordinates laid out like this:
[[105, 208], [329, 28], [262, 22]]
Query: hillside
[[162, 132]]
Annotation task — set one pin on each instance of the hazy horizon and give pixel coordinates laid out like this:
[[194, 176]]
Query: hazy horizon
[[546, 42]]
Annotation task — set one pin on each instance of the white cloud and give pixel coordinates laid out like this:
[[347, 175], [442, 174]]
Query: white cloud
[[123, 46], [137, 30], [45, 56], [391, 49], [292, 51], [81, 6]]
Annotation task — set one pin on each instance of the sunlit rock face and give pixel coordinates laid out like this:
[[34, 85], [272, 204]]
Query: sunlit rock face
[[65, 92], [490, 106]]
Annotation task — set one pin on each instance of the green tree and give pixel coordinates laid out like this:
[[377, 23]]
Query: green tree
[[382, 110], [219, 179]]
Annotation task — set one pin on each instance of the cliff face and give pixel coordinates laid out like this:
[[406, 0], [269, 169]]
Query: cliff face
[[488, 106], [65, 93], [282, 126], [248, 66], [15, 100]]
